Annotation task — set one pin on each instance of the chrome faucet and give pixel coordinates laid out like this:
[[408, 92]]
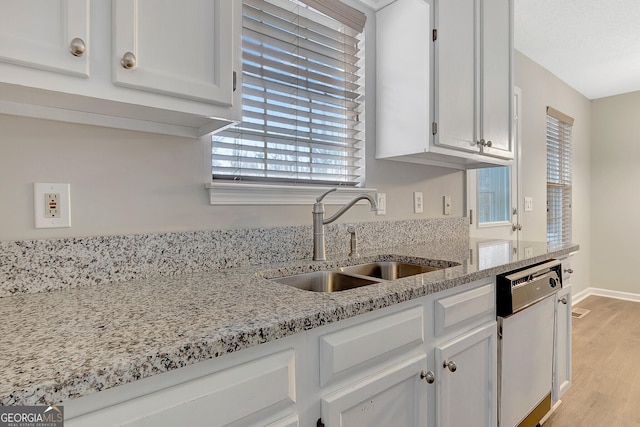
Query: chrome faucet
[[319, 221]]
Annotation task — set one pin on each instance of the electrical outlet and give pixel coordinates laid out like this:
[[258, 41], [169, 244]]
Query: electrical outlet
[[381, 201], [52, 205], [446, 205], [418, 206]]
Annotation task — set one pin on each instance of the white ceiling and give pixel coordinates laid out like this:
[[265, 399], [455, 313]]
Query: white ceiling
[[592, 45]]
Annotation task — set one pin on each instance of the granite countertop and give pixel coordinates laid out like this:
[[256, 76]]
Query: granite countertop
[[65, 344]]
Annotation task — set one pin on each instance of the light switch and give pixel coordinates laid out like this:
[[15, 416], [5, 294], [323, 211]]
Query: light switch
[[381, 201], [418, 206], [446, 205], [528, 204]]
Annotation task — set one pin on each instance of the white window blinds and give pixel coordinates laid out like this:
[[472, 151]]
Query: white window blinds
[[558, 177], [302, 98]]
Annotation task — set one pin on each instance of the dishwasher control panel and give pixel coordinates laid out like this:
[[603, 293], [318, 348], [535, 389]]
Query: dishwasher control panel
[[521, 288]]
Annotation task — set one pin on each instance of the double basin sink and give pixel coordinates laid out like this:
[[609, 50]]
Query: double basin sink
[[354, 276]]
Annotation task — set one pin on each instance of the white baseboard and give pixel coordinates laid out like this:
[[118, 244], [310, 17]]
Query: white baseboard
[[548, 414], [628, 296]]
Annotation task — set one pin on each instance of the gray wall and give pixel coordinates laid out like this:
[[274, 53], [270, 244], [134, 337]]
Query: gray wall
[[615, 151], [540, 89], [130, 182]]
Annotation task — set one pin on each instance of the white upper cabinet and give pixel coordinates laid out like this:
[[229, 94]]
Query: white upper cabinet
[[46, 35], [473, 78], [163, 67], [173, 49], [496, 111], [455, 75], [444, 82]]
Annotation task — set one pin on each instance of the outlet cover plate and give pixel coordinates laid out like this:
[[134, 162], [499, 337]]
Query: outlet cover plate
[[381, 201], [418, 202], [63, 218], [528, 204], [446, 205]]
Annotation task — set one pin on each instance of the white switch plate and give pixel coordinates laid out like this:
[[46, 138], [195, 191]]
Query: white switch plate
[[446, 205], [528, 204], [418, 206], [381, 201], [52, 205]]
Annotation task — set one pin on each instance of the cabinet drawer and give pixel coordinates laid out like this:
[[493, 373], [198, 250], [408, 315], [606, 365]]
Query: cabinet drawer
[[362, 344], [219, 398], [458, 310]]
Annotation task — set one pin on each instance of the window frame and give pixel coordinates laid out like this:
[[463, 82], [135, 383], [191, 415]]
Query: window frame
[[251, 191], [559, 177]]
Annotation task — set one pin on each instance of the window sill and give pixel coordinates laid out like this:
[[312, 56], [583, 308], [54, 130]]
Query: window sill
[[225, 193]]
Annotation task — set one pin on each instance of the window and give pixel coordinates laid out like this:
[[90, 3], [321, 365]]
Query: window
[[493, 194], [302, 74], [558, 177]]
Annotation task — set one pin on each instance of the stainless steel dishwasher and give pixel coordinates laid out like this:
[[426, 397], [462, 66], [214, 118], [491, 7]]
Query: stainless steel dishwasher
[[526, 325]]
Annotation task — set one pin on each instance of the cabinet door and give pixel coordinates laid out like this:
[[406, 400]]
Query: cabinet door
[[240, 394], [39, 33], [183, 49], [496, 88], [562, 354], [394, 396], [456, 70], [466, 379]]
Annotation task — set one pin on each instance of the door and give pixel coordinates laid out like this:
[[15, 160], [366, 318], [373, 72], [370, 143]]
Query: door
[[562, 356], [456, 71], [394, 396], [493, 198], [466, 374], [161, 47], [42, 33], [526, 360], [496, 80]]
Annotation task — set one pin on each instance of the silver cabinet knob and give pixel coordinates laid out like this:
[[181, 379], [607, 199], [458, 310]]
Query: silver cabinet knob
[[451, 365], [515, 227], [568, 270], [77, 47], [128, 60], [428, 376], [489, 143], [563, 300], [482, 142]]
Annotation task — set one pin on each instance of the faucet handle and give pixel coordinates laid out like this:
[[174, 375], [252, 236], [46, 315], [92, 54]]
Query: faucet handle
[[319, 199]]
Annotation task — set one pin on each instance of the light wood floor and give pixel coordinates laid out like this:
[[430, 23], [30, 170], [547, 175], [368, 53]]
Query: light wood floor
[[605, 389]]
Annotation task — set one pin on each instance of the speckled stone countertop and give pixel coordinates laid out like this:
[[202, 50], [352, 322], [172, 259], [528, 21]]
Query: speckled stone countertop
[[69, 343]]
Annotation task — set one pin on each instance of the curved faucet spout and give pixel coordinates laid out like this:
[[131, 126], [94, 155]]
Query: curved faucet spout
[[319, 221], [363, 196]]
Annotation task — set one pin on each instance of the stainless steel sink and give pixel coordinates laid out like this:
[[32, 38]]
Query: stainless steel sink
[[353, 276], [325, 281], [388, 270]]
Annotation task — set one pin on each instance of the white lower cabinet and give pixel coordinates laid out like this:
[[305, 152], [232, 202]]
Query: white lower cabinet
[[562, 344], [383, 368], [466, 383], [562, 353], [259, 389], [465, 357], [394, 396]]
